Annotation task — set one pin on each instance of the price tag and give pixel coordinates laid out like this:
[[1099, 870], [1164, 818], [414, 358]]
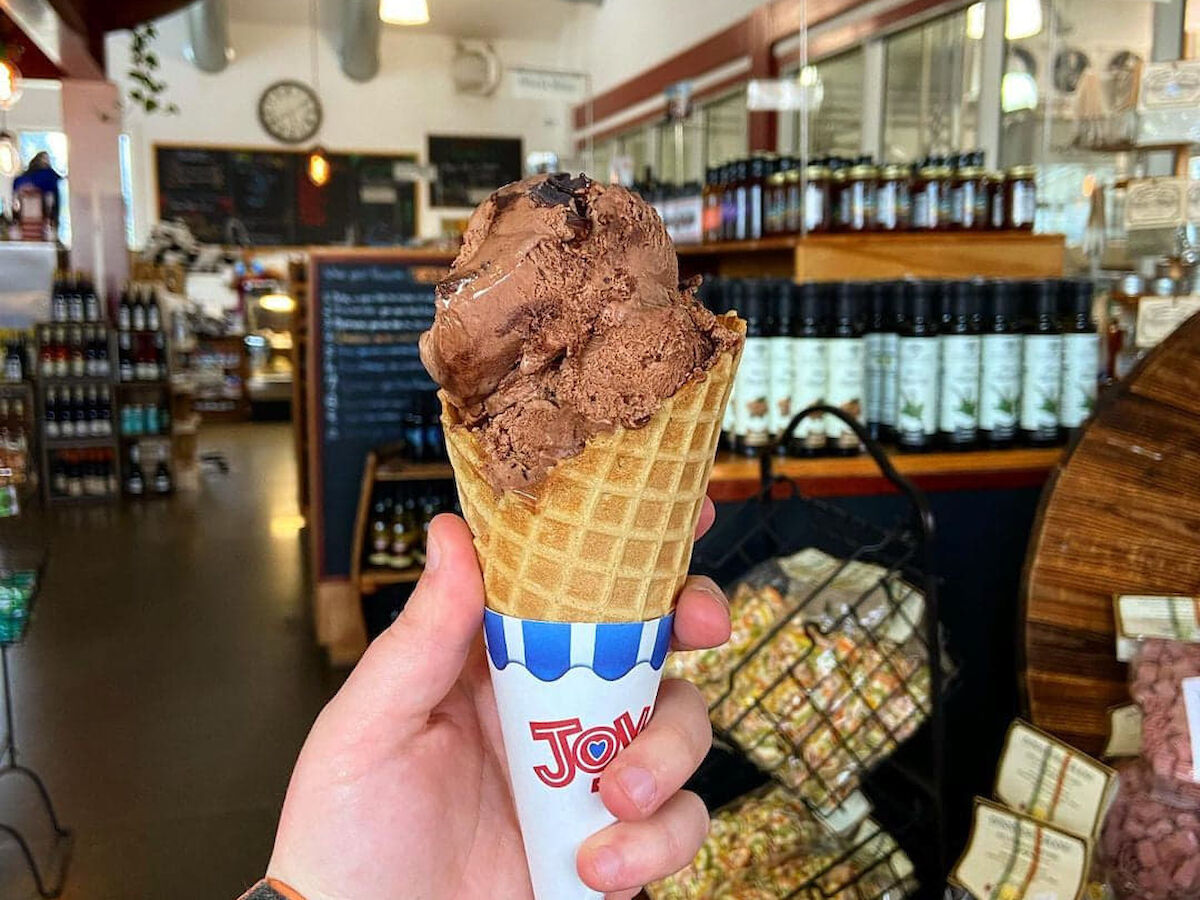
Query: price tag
[[1174, 617], [1124, 731]]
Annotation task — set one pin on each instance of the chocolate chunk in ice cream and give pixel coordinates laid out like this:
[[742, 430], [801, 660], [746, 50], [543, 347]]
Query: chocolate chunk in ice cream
[[563, 318]]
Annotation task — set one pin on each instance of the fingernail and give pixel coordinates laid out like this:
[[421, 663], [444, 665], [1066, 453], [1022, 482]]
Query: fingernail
[[606, 863], [715, 592], [638, 785], [433, 551]]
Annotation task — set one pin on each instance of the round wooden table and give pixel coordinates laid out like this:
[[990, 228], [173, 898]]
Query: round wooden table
[[1120, 515]]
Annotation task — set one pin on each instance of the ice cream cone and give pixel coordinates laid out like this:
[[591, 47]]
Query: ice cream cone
[[581, 574], [607, 535]]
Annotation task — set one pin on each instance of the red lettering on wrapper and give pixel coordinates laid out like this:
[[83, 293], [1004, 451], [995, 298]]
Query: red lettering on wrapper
[[574, 750]]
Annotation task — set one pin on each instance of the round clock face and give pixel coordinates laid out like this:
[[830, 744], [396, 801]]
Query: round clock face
[[290, 112]]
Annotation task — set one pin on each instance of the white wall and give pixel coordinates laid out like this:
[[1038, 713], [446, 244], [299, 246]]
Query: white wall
[[411, 97], [625, 37]]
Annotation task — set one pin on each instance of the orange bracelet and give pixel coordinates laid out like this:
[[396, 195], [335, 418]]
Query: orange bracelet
[[270, 889]]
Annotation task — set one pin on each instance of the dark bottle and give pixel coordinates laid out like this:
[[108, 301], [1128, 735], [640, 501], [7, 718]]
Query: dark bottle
[[752, 416], [710, 206], [741, 200], [1041, 366], [728, 201], [1080, 354], [50, 413], [153, 312], [380, 539], [779, 398], [847, 368], [810, 367], [775, 198], [125, 311], [1000, 365], [125, 356], [839, 196], [958, 416], [162, 477], [58, 301], [793, 199], [137, 312], [91, 303], [135, 481], [761, 167], [917, 369], [889, 360], [875, 327], [414, 435]]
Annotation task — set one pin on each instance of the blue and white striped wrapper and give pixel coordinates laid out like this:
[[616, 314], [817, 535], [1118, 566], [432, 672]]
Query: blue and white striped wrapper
[[571, 697], [549, 649]]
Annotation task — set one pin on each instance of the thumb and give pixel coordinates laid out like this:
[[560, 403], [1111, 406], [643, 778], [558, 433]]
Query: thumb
[[412, 666]]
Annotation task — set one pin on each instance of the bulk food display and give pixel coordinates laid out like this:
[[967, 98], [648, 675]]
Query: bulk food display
[[832, 665]]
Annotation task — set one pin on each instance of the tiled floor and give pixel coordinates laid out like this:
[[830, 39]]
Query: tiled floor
[[168, 681]]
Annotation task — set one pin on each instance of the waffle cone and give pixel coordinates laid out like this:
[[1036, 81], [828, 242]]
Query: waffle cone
[[607, 535]]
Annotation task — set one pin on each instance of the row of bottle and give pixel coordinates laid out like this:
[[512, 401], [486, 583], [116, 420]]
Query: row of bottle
[[138, 309], [75, 351], [422, 431], [400, 517], [956, 364], [14, 440], [138, 419], [83, 473], [142, 356], [768, 195], [77, 412], [148, 477], [74, 299]]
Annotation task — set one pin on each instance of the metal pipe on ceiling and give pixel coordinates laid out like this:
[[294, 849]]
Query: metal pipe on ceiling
[[208, 35], [359, 52]]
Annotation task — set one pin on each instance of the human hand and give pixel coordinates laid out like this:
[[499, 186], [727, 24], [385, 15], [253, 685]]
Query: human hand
[[402, 791]]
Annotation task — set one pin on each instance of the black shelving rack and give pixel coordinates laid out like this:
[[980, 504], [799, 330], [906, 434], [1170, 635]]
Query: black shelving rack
[[769, 710]]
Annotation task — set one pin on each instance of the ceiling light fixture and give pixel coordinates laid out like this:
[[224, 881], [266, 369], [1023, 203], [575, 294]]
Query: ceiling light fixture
[[11, 86], [404, 12]]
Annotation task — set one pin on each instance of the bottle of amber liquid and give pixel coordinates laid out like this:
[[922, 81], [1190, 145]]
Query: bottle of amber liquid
[[817, 208], [810, 363], [1020, 198], [893, 202], [862, 185], [775, 199], [793, 202], [753, 389], [927, 197], [971, 194], [711, 206], [847, 368]]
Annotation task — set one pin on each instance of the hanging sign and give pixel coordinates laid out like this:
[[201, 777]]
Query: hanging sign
[[546, 84]]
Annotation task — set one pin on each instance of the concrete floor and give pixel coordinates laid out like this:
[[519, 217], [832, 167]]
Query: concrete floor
[[168, 681]]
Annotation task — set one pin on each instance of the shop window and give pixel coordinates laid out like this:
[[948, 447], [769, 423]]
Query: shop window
[[681, 149], [55, 144], [726, 129], [932, 83], [835, 127]]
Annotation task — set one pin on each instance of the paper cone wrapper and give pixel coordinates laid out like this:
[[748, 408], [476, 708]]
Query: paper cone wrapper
[[571, 697]]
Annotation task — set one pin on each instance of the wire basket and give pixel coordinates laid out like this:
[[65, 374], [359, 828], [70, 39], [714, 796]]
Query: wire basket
[[835, 660]]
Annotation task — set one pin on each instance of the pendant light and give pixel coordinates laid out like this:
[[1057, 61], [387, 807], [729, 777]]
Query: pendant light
[[404, 12], [11, 84], [317, 167]]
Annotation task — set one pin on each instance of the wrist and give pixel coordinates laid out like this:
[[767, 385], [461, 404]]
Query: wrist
[[271, 889]]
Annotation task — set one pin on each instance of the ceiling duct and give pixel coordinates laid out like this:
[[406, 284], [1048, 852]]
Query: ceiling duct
[[360, 39], [208, 35]]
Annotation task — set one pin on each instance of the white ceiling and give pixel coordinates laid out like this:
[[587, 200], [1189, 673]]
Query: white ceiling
[[535, 19]]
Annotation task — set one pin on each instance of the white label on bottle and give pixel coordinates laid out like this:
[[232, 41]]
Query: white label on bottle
[[888, 365], [917, 383], [1080, 371], [781, 383], [741, 209], [960, 385], [847, 375], [1000, 384], [1041, 383], [810, 364], [1024, 203], [885, 205], [754, 381], [754, 225], [873, 401], [814, 207]]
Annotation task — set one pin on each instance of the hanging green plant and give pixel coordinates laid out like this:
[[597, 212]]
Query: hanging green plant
[[147, 90]]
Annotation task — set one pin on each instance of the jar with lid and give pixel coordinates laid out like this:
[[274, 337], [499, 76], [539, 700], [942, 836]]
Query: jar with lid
[[1020, 198], [893, 203], [946, 167], [793, 199], [839, 198], [817, 207], [862, 183], [995, 194], [969, 197], [927, 196], [775, 200]]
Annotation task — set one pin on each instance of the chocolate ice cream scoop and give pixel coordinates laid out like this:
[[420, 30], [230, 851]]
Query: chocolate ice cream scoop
[[562, 318]]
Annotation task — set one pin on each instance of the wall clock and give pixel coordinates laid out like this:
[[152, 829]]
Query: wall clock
[[290, 112]]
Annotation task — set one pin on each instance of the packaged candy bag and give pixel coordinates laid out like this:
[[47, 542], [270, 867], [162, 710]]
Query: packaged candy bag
[[1165, 684]]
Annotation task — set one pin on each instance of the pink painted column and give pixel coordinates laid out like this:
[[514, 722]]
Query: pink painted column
[[92, 123]]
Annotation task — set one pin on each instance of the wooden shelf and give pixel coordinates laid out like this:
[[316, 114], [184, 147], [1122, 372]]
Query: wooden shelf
[[372, 580], [738, 477], [880, 255], [80, 443], [414, 471]]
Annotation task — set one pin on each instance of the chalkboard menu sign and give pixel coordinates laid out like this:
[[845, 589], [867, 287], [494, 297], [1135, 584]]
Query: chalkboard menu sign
[[264, 197], [368, 311], [470, 168]]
